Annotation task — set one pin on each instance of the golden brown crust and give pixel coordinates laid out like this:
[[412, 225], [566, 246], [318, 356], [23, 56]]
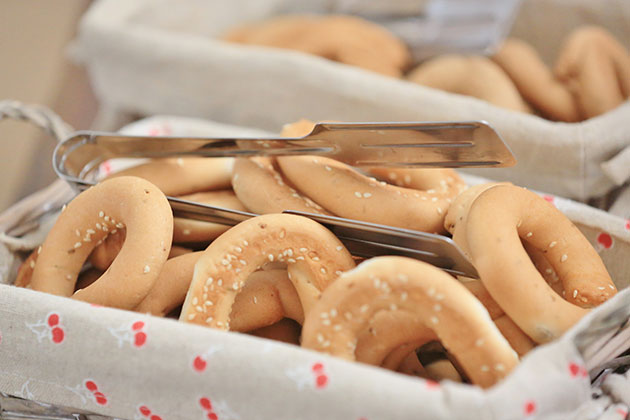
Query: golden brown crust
[[314, 258], [128, 202], [596, 68], [345, 39], [186, 175], [536, 82], [517, 214], [396, 283], [345, 192], [474, 76]]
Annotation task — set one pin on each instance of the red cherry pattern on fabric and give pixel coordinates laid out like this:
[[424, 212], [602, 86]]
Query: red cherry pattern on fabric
[[577, 370], [99, 397], [53, 320], [146, 413], [628, 224], [57, 333], [549, 198], [139, 336], [199, 364], [432, 384], [623, 413], [321, 379], [605, 240], [529, 408], [206, 406]]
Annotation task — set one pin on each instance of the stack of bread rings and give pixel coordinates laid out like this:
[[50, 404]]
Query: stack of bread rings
[[288, 278], [591, 75]]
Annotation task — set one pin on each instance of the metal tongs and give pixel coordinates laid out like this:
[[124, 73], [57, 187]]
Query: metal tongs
[[450, 144]]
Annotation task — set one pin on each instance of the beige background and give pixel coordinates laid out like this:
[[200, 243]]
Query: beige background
[[34, 69]]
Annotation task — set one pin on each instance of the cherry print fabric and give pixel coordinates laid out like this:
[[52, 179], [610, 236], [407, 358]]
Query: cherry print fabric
[[100, 367]]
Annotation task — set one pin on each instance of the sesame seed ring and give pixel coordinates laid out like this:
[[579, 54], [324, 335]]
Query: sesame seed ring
[[260, 186], [124, 202], [396, 283], [345, 192], [188, 230], [596, 68], [267, 297], [314, 258], [185, 175], [536, 82], [419, 200], [498, 220], [474, 76]]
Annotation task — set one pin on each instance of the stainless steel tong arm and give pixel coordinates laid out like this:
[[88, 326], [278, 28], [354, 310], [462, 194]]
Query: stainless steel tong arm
[[443, 144]]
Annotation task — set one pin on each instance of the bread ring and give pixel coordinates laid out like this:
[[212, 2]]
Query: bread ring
[[496, 251], [262, 189], [314, 258], [185, 175], [596, 68], [128, 202], [345, 39], [345, 192], [267, 297], [536, 82], [188, 230], [472, 76], [398, 283]]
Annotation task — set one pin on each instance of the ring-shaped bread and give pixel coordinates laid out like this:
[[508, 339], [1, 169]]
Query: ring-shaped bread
[[474, 76], [536, 82], [124, 202], [396, 283], [498, 220], [314, 258], [596, 68]]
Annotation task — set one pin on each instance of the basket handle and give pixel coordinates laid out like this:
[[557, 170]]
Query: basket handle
[[22, 217]]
